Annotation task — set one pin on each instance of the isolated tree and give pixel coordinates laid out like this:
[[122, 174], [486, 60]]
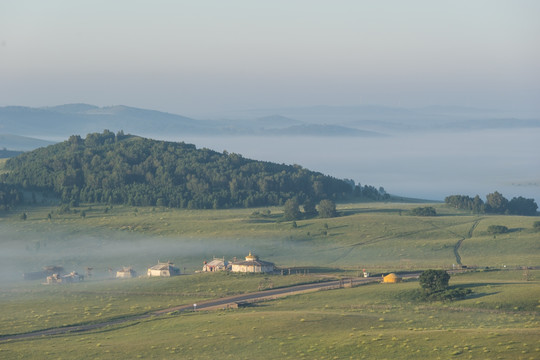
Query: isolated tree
[[327, 208], [496, 203], [291, 210], [433, 281]]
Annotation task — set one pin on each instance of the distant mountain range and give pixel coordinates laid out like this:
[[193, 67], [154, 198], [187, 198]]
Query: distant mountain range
[[59, 122], [19, 143]]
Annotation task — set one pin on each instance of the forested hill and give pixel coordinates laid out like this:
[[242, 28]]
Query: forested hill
[[125, 169]]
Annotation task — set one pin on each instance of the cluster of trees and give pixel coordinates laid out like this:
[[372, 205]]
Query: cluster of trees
[[325, 209], [124, 169], [10, 196], [495, 203]]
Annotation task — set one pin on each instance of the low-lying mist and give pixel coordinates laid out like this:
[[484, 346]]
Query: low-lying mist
[[30, 251], [427, 165]]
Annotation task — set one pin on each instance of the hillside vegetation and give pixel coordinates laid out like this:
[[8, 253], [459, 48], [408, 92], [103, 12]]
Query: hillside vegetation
[[123, 169]]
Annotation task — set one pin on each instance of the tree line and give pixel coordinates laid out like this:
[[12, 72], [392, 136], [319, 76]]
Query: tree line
[[124, 169], [10, 196], [495, 203]]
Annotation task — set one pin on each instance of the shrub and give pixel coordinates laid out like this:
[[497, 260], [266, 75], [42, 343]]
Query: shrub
[[536, 225], [434, 285], [424, 211], [497, 229]]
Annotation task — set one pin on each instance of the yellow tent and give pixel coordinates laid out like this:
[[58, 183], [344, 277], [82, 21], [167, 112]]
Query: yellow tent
[[391, 278]]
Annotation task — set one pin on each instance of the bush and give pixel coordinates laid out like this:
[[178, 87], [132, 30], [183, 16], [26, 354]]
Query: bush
[[497, 229], [536, 225], [448, 294], [424, 211]]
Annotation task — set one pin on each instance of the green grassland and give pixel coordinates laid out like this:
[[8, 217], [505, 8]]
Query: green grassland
[[366, 235], [373, 321], [501, 319]]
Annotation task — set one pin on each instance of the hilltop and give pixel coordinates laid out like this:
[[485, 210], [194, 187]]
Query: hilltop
[[126, 169]]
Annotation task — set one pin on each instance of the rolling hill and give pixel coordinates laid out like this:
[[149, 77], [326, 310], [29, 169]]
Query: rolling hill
[[125, 169]]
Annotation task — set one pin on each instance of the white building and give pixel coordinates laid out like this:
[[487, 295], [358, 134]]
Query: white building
[[163, 269], [215, 265], [252, 264], [126, 273]]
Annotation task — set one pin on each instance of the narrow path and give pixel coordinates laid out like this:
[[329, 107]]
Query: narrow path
[[460, 241], [205, 305]]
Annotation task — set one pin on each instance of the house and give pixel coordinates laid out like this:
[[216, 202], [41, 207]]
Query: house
[[391, 279], [215, 265], [126, 273], [252, 264], [72, 277], [163, 269]]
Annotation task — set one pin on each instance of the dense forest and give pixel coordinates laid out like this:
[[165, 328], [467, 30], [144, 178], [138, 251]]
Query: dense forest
[[495, 203], [125, 169], [10, 196]]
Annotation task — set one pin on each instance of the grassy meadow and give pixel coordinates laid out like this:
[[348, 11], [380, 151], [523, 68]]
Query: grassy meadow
[[501, 319], [379, 321]]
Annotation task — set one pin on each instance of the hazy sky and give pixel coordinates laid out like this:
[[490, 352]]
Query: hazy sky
[[205, 56]]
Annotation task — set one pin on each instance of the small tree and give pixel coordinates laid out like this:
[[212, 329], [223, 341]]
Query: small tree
[[309, 208], [536, 225], [433, 281], [327, 209], [291, 210]]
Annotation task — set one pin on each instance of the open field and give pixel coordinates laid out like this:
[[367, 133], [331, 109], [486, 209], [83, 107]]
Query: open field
[[366, 235], [372, 321], [500, 320]]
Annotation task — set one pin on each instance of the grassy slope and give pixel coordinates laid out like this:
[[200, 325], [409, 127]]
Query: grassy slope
[[374, 321], [367, 235]]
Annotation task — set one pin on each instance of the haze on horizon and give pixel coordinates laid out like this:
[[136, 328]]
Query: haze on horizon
[[208, 57]]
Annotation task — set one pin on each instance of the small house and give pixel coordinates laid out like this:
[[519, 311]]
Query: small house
[[163, 269], [215, 265], [72, 277], [252, 264], [126, 273], [391, 279]]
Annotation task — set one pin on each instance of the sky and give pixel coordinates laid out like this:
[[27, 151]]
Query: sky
[[213, 56]]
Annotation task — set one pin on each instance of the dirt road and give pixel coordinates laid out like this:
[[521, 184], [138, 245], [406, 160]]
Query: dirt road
[[221, 303]]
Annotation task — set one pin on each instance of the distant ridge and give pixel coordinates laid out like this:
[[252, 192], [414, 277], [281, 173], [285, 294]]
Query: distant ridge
[[368, 120], [21, 143]]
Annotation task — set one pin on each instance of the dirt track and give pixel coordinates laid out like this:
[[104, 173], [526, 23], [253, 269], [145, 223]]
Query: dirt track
[[205, 305]]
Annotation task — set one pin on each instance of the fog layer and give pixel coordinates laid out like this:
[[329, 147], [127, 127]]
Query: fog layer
[[424, 165]]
